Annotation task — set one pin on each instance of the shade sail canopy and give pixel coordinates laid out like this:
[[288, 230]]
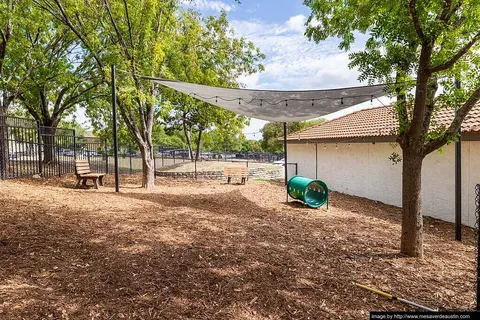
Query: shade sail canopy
[[278, 106]]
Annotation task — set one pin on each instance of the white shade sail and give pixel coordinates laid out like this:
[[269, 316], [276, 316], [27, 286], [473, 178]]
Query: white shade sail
[[278, 106]]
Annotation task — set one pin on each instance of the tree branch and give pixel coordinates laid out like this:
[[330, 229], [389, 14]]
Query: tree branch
[[442, 16], [430, 104], [117, 30], [416, 21], [65, 19], [455, 125], [129, 24], [448, 64]]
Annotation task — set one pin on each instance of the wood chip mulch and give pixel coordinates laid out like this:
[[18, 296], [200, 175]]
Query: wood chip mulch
[[208, 250]]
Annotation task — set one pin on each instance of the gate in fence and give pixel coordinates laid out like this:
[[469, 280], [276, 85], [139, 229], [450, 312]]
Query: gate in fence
[[26, 149]]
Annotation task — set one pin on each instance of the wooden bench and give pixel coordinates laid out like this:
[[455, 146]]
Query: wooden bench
[[230, 172], [83, 173]]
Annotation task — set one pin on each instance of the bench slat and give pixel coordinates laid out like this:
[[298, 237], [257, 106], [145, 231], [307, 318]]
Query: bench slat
[[235, 171]]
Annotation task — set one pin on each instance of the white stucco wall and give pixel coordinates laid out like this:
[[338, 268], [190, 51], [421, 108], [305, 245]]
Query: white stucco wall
[[363, 169]]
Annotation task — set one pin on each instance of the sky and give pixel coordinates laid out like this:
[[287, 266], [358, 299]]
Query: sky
[[292, 62]]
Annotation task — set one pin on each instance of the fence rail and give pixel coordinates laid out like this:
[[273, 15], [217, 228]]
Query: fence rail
[[27, 149]]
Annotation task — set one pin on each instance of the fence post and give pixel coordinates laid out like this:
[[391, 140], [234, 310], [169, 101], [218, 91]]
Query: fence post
[[130, 152], [4, 148], [162, 156], [154, 165], [39, 142], [106, 157], [58, 159]]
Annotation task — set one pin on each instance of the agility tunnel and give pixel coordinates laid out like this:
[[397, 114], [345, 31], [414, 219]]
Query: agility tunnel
[[314, 193]]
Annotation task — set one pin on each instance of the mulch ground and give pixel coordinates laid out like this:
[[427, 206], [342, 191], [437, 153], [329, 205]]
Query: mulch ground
[[207, 250]]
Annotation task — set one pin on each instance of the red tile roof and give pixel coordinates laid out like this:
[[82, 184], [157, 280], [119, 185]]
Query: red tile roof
[[377, 122]]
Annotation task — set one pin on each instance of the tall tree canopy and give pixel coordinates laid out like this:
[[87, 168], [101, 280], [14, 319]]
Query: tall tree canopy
[[153, 38], [205, 51], [132, 35], [411, 44]]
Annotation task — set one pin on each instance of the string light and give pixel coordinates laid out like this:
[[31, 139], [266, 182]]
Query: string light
[[313, 100], [341, 100]]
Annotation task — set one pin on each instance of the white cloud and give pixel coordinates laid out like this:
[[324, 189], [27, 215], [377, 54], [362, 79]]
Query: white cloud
[[208, 5], [295, 63], [249, 81], [297, 23]]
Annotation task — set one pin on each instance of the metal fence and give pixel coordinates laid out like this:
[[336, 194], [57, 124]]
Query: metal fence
[[130, 159], [27, 148]]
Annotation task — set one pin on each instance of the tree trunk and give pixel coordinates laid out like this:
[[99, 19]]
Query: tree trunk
[[189, 141], [48, 135], [412, 220], [148, 179]]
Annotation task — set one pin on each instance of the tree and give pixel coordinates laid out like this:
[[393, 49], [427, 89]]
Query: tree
[[64, 77], [20, 26], [251, 146], [206, 52], [223, 139], [133, 36], [272, 131], [412, 44]]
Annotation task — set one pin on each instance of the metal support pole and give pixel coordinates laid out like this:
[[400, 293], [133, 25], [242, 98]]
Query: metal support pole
[[458, 180], [316, 160], [115, 138], [285, 153]]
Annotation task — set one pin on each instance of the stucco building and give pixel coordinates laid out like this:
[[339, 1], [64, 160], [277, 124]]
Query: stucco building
[[353, 155]]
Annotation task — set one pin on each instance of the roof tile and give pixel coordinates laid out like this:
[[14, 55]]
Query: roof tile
[[377, 122]]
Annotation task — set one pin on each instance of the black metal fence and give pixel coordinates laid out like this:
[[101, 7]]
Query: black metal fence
[[27, 148]]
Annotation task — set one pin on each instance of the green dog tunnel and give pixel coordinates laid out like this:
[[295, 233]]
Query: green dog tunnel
[[314, 193]]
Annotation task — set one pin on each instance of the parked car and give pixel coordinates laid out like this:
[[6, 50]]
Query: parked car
[[91, 153]]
